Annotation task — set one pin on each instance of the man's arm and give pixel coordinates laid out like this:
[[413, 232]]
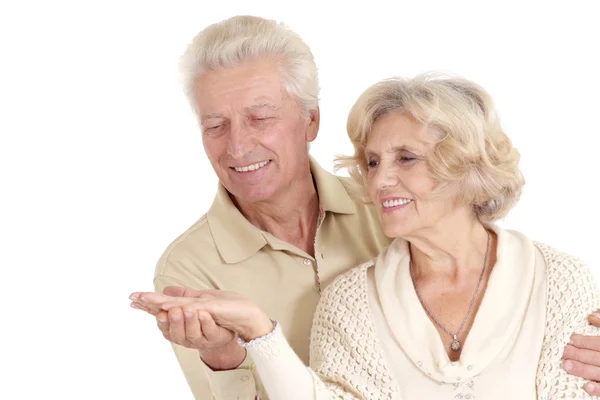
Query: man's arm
[[582, 357], [215, 367]]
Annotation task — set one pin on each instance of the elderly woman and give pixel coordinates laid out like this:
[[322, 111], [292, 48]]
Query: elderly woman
[[456, 307]]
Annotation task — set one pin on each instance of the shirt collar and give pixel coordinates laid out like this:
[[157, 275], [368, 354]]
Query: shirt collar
[[237, 239]]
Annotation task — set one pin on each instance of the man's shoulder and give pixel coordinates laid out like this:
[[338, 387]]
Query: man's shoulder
[[357, 195], [349, 184], [194, 244]]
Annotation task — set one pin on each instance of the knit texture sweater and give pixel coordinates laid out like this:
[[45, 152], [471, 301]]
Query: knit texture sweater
[[350, 356]]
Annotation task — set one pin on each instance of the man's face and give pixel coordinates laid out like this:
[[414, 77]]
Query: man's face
[[254, 133]]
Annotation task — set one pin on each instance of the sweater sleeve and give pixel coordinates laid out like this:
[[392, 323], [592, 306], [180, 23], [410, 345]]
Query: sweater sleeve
[[572, 296], [284, 375], [346, 363], [344, 350]]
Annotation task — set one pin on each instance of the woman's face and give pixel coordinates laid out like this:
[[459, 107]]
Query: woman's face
[[399, 181]]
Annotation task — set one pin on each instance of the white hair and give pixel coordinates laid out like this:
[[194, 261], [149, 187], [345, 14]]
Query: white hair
[[239, 39]]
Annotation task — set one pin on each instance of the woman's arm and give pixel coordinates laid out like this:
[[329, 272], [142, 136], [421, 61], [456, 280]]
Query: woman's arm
[[283, 375], [346, 362]]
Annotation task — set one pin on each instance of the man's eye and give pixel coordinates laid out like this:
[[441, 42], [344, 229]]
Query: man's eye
[[372, 164], [213, 129]]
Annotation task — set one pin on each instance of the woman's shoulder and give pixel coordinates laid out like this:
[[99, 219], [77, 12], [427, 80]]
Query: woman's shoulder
[[555, 259], [554, 255], [351, 282], [561, 261], [567, 273]]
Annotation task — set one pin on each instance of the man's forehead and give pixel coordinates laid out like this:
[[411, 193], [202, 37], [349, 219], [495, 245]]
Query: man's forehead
[[260, 103], [254, 103], [263, 104]]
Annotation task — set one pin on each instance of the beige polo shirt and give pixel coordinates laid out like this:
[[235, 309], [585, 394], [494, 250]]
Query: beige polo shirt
[[223, 250]]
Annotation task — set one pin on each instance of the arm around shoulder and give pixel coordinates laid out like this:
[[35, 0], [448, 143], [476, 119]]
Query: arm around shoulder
[[572, 294]]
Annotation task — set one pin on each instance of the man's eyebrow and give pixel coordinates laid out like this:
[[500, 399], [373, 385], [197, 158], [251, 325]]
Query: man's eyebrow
[[261, 105], [211, 116]]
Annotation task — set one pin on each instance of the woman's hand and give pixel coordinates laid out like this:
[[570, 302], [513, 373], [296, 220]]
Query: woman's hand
[[228, 310]]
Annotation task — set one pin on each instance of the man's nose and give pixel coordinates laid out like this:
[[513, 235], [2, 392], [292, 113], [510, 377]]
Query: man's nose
[[239, 142]]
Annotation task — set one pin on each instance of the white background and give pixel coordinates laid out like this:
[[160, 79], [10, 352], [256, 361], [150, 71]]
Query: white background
[[102, 163]]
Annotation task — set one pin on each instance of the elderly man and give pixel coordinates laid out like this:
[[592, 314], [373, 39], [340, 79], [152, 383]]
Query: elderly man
[[280, 228]]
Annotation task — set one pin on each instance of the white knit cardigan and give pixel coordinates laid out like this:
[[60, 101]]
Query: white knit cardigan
[[346, 360]]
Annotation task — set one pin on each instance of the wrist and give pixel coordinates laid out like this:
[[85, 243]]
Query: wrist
[[258, 341], [224, 358], [262, 326]]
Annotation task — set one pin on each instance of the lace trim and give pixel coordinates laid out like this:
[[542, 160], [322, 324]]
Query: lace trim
[[260, 340]]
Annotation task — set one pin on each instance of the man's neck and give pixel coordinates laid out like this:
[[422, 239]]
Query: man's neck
[[291, 217]]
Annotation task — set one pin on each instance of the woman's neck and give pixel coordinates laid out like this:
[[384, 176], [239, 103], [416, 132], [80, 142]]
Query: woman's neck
[[455, 247]]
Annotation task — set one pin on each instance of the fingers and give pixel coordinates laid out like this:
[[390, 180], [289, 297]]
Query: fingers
[[134, 296], [585, 371], [139, 306], [176, 326], [178, 302], [148, 301], [160, 301], [172, 296], [586, 342], [585, 356], [177, 291], [210, 330], [594, 318], [153, 298], [162, 321], [182, 326], [592, 388], [193, 330]]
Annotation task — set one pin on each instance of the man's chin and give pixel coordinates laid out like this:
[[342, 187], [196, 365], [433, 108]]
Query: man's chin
[[254, 194]]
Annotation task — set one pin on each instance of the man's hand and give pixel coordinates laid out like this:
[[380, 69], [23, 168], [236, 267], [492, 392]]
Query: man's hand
[[190, 328], [195, 329], [582, 357]]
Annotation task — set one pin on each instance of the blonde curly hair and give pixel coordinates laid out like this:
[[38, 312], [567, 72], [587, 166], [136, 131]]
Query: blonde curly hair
[[473, 159]]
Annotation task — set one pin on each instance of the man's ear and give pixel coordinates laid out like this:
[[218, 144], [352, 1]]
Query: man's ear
[[313, 125]]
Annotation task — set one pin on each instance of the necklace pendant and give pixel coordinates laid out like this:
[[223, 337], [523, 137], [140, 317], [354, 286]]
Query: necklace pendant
[[455, 346]]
